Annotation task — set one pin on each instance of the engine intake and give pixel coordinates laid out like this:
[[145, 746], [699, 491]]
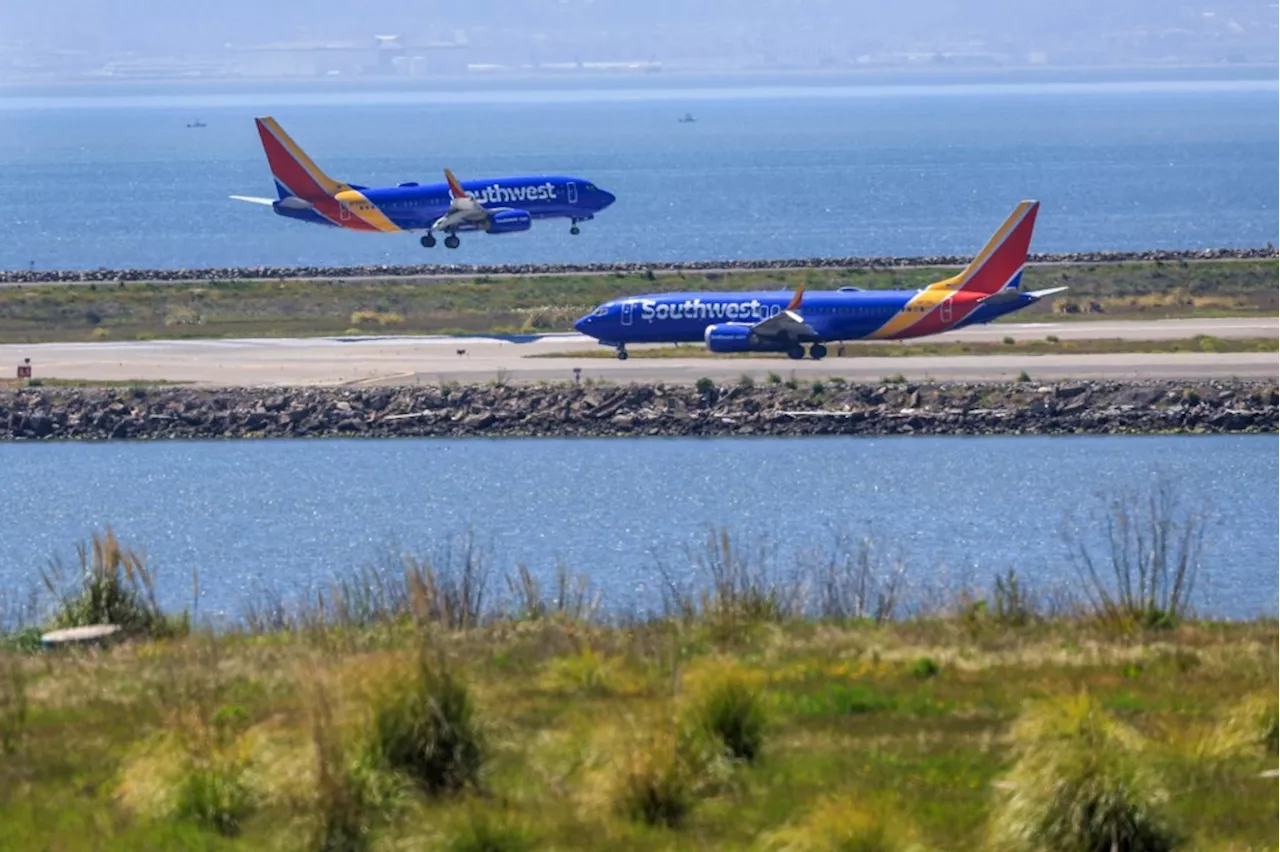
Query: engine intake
[[509, 221]]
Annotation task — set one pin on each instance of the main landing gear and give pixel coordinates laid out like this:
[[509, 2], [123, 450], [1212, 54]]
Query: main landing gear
[[622, 351], [451, 241], [816, 351], [573, 227]]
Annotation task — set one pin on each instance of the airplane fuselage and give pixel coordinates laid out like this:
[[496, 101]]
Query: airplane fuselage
[[834, 315], [414, 206]]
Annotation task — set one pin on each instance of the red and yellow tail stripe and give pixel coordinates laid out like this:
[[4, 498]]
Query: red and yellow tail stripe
[[297, 173], [1003, 256], [947, 303]]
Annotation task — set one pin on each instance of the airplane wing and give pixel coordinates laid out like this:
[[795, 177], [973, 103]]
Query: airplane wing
[[253, 199], [463, 209], [789, 323], [1040, 294]]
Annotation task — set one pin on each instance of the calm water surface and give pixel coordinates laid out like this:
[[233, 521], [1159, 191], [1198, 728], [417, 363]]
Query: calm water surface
[[288, 514], [109, 175]]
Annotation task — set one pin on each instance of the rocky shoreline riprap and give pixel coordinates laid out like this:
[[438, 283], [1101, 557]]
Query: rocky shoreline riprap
[[41, 276], [820, 408]]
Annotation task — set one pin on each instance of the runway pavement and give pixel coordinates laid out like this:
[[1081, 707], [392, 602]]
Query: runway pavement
[[409, 360]]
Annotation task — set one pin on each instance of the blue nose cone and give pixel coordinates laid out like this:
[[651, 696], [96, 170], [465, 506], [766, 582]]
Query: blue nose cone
[[605, 198], [581, 325]]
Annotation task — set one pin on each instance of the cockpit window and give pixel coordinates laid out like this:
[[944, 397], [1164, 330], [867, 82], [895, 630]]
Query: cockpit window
[[603, 310]]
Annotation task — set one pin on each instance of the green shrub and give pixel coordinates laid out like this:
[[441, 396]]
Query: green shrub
[[1008, 341], [214, 795], [733, 714], [1251, 727], [657, 791], [1080, 782], [925, 667], [115, 586], [664, 779], [426, 727], [1024, 376], [705, 385], [1053, 338], [745, 381], [818, 388], [773, 379]]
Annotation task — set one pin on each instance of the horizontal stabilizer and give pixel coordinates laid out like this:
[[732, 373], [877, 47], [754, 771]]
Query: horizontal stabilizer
[[1040, 294], [254, 200]]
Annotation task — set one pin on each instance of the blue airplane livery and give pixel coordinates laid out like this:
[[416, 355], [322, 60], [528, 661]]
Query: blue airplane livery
[[495, 206], [781, 321]]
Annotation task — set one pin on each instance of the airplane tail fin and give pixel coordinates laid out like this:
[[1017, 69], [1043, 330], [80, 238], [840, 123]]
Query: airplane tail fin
[[999, 264], [294, 172]]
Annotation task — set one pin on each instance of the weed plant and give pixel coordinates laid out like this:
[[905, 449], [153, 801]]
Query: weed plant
[[426, 727]]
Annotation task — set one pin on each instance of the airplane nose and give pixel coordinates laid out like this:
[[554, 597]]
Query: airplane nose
[[606, 198], [581, 325]]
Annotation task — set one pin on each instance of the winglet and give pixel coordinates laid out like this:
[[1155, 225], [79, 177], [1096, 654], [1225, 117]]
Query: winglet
[[455, 188], [796, 299]]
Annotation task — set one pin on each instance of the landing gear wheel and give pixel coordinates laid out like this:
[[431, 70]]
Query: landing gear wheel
[[622, 353], [428, 241], [817, 351], [575, 230], [795, 352], [452, 241]]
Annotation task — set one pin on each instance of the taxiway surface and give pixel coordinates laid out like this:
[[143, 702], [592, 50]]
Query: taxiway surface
[[410, 360]]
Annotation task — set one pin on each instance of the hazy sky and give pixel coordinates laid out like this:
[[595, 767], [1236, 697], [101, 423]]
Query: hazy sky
[[730, 30]]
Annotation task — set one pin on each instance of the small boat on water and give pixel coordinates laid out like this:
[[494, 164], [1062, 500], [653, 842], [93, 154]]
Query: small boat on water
[[197, 123], [687, 118]]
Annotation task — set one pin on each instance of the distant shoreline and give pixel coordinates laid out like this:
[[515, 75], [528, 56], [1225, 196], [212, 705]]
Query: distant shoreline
[[906, 74]]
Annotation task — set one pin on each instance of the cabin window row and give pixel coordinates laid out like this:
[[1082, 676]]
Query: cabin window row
[[399, 205], [853, 311]]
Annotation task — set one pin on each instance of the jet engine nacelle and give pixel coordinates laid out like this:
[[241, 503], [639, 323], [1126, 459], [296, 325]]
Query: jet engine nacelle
[[730, 337], [509, 221]]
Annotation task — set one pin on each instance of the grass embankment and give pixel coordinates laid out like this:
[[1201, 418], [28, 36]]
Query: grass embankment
[[244, 308], [396, 714], [1054, 346]]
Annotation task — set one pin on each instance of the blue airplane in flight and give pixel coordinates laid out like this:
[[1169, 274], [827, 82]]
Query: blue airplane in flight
[[780, 321], [495, 206]]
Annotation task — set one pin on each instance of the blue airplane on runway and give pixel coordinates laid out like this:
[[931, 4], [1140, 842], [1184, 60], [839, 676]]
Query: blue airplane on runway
[[496, 206], [780, 321]]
